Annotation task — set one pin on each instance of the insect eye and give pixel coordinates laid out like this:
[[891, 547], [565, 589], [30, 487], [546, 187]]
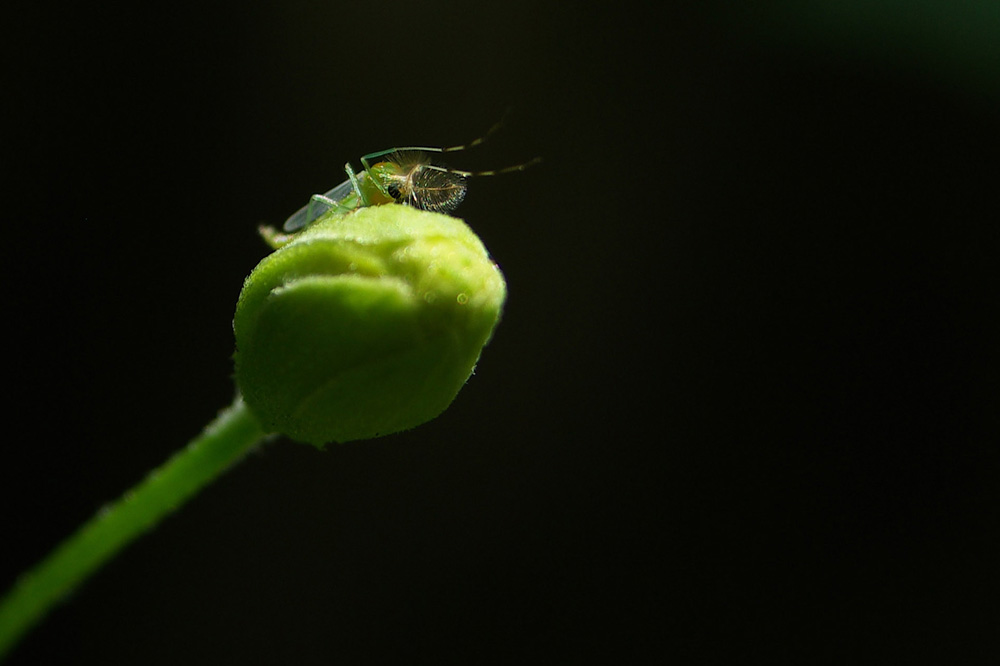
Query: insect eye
[[393, 191]]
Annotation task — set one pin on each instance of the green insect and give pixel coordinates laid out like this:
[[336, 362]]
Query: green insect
[[405, 176]]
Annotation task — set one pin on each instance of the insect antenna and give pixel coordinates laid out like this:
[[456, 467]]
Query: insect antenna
[[434, 149], [441, 189], [475, 142], [490, 172]]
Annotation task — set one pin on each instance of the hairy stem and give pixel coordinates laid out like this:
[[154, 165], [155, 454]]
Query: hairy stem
[[220, 445]]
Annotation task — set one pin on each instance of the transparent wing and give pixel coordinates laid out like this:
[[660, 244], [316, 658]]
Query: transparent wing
[[316, 209]]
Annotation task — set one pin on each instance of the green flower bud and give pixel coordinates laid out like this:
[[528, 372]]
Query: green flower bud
[[365, 324]]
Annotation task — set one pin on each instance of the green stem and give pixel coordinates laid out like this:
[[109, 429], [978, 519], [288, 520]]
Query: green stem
[[221, 444]]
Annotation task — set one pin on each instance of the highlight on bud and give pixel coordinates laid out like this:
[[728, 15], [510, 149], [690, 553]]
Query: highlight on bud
[[365, 324]]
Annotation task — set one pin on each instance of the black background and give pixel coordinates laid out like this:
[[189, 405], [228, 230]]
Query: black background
[[742, 405]]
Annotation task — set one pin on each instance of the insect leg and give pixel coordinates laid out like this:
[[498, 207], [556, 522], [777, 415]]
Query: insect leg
[[319, 204], [349, 170]]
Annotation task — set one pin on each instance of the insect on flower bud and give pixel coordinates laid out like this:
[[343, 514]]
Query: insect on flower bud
[[365, 324]]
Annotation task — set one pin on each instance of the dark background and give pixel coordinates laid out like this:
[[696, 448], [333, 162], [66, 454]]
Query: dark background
[[742, 404]]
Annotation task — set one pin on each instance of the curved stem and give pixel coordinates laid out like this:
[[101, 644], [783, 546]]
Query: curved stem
[[221, 444]]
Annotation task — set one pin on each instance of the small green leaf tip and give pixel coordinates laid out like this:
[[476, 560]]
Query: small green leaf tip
[[365, 324]]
